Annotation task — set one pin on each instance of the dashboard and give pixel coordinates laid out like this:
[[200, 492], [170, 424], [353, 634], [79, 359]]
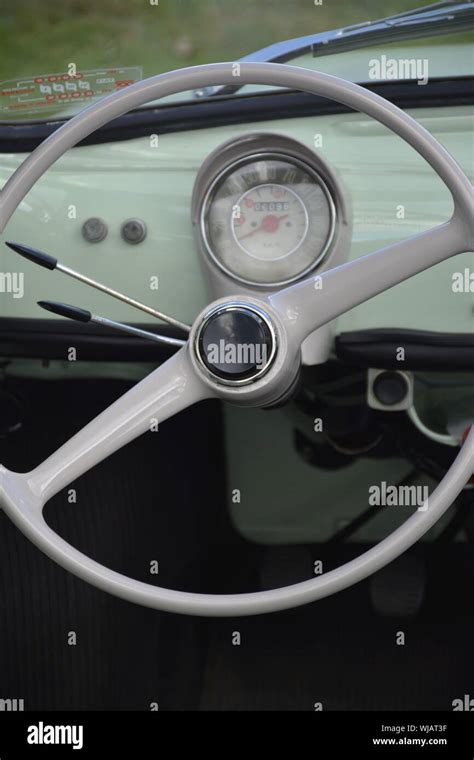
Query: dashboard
[[196, 215]]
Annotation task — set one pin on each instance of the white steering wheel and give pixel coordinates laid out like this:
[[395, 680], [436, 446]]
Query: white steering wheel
[[281, 321]]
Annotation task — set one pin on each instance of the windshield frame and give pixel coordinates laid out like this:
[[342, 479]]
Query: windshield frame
[[431, 21]]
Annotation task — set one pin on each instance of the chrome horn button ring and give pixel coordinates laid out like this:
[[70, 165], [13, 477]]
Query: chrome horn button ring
[[236, 343]]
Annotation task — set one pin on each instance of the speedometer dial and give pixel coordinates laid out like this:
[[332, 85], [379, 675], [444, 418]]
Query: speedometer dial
[[271, 223], [268, 219]]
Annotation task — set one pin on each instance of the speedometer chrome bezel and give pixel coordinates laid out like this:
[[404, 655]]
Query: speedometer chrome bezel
[[267, 155]]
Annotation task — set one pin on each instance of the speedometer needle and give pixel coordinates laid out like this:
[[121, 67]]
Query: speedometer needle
[[269, 223]]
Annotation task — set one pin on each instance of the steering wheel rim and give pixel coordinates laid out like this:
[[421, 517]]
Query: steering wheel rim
[[179, 381]]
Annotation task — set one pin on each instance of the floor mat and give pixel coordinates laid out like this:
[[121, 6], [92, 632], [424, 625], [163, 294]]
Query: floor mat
[[339, 654], [133, 508]]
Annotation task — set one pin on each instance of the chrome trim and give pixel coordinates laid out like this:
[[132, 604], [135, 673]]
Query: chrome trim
[[122, 297], [241, 306], [136, 331], [268, 156]]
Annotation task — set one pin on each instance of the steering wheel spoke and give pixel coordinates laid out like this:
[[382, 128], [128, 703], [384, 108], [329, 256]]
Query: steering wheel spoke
[[162, 394], [319, 299]]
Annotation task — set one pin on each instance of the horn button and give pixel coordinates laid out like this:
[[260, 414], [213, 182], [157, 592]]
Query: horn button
[[236, 344]]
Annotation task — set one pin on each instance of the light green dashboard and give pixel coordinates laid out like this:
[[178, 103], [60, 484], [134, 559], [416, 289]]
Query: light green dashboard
[[391, 191]]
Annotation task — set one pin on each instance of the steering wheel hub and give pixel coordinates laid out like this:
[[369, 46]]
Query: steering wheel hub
[[236, 343]]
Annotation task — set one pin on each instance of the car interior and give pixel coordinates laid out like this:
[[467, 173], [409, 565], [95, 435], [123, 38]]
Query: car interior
[[237, 363]]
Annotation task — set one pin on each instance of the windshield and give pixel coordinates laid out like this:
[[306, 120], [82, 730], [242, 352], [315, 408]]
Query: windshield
[[59, 55]]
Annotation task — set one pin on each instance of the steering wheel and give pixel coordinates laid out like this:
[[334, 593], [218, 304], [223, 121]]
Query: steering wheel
[[278, 323]]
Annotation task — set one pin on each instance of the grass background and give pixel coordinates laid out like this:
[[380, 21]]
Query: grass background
[[43, 36]]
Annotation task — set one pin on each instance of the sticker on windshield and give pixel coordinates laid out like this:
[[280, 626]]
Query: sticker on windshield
[[48, 93]]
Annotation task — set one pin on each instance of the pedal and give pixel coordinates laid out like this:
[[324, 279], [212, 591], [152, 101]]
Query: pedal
[[398, 590]]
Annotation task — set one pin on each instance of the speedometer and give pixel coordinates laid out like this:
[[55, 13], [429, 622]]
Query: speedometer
[[267, 218], [270, 222]]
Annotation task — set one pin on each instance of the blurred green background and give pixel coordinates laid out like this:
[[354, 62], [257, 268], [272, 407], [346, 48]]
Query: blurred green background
[[43, 36]]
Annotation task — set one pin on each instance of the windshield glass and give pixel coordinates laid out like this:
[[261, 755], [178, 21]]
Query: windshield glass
[[56, 56]]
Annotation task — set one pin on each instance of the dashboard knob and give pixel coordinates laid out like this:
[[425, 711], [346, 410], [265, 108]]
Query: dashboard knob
[[390, 388], [134, 231], [94, 230]]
